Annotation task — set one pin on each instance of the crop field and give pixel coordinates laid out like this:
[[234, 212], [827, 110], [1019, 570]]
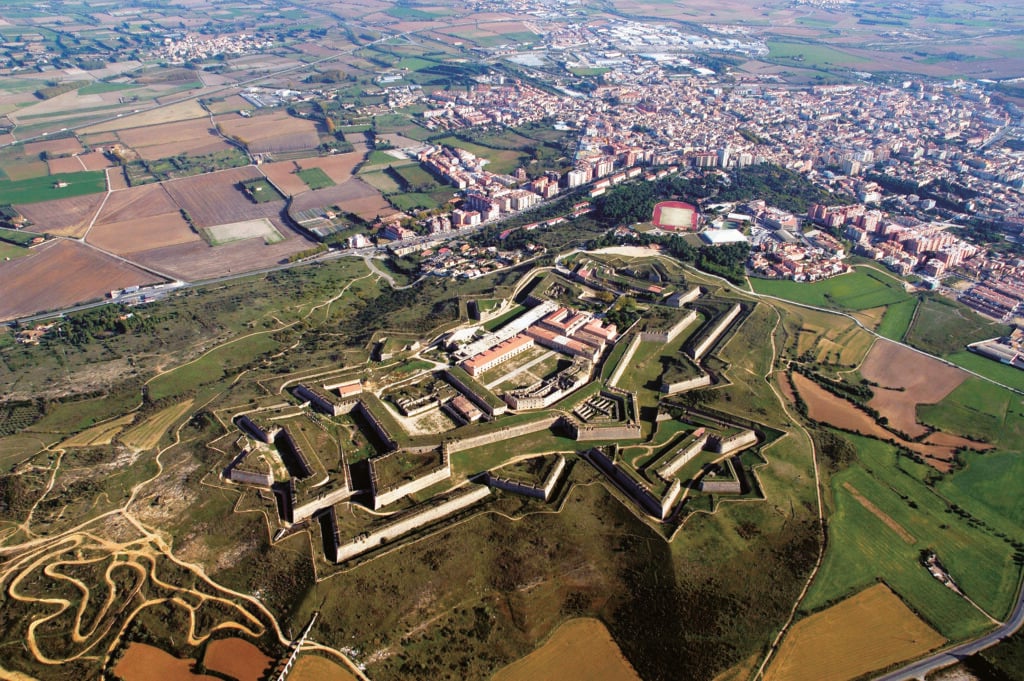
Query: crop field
[[579, 650], [147, 434], [381, 181], [134, 236], [193, 137], [827, 408], [66, 164], [907, 379], [39, 189], [237, 658], [60, 274], [315, 178], [864, 547], [9, 251], [338, 167], [181, 111], [354, 196], [215, 199], [239, 231], [310, 667], [861, 289], [276, 132], [979, 410], [102, 434], [1001, 373], [95, 160], [864, 633]]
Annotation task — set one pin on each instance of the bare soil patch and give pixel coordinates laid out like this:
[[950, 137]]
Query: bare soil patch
[[827, 408], [132, 236], [196, 260], [63, 217], [135, 203], [165, 114], [283, 175], [907, 378], [866, 632], [60, 274], [67, 145], [95, 160], [338, 167], [143, 662], [238, 658], [65, 164], [216, 199], [116, 179]]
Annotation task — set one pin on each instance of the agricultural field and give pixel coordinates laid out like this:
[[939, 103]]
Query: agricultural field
[[315, 178], [862, 289], [195, 137], [896, 320], [943, 327], [181, 111], [354, 196], [147, 434], [579, 650], [60, 274], [310, 667], [102, 434], [884, 515], [141, 661], [63, 186], [239, 231], [906, 380], [237, 658], [274, 132], [864, 633]]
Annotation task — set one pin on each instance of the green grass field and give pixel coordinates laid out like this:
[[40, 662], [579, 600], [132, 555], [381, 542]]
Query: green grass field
[[315, 178], [17, 236], [809, 55], [863, 548], [989, 368], [501, 161], [978, 410], [211, 367], [263, 192], [859, 290], [944, 326], [413, 201], [897, 319], [40, 189], [10, 251]]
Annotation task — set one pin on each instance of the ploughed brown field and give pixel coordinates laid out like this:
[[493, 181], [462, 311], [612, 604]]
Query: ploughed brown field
[[116, 179], [907, 379], [135, 203], [68, 145], [238, 658], [63, 217], [827, 408], [338, 167], [197, 261], [284, 176], [861, 634], [95, 160], [354, 196], [215, 199], [194, 136], [65, 164], [60, 274], [143, 234], [142, 662]]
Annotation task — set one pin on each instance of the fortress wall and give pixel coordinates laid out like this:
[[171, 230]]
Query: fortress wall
[[506, 433], [633, 488], [626, 358], [718, 330], [368, 542], [689, 384], [720, 486], [543, 491], [672, 466], [670, 334], [251, 478], [320, 402], [479, 401], [375, 424], [382, 496], [257, 430], [300, 513], [731, 444]]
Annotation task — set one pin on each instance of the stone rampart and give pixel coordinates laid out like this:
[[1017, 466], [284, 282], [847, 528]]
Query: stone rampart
[[306, 510], [720, 327], [250, 478], [685, 456], [734, 442], [677, 387], [624, 361], [385, 495], [474, 397], [542, 491], [506, 433], [369, 541], [669, 334]]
